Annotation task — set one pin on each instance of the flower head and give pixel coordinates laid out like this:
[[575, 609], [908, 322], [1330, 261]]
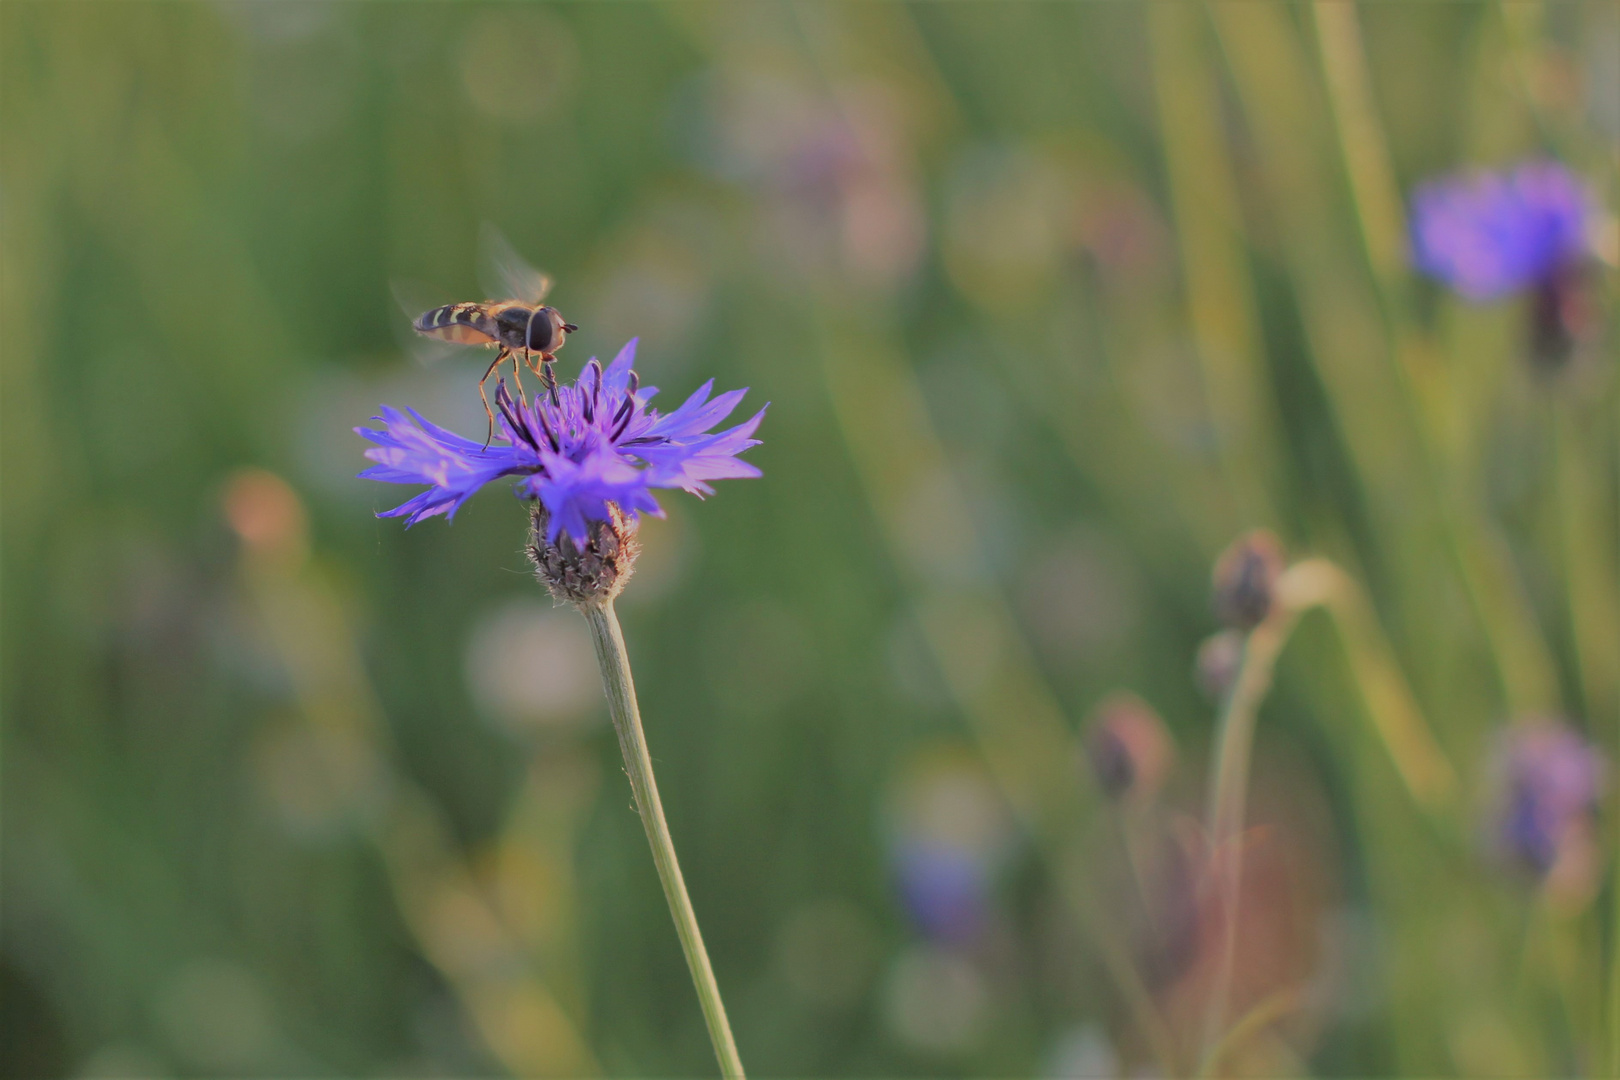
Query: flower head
[[1129, 748], [945, 888], [587, 453], [1551, 780], [1489, 234], [1245, 579], [949, 838]]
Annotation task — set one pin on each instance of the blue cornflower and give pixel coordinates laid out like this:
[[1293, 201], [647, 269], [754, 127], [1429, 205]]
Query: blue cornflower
[[1551, 780], [945, 888], [1488, 234], [580, 450]]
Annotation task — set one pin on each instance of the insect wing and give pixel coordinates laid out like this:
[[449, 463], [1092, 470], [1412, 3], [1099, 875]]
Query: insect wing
[[506, 275], [426, 348]]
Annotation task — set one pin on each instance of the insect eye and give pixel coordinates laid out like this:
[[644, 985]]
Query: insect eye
[[541, 333]]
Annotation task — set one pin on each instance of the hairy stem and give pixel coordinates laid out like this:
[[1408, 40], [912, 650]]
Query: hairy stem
[[621, 695]]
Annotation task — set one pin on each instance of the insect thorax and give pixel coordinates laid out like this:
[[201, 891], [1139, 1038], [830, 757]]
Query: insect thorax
[[512, 325]]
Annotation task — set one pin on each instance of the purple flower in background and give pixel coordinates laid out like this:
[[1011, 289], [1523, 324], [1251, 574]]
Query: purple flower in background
[[577, 450], [949, 838], [944, 887], [1488, 234], [1551, 780]]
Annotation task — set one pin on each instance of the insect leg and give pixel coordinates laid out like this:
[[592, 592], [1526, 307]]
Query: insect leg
[[518, 378], [485, 397], [548, 376]]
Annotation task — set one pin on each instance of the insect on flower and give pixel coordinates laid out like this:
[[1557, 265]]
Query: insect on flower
[[522, 324], [587, 456], [575, 450]]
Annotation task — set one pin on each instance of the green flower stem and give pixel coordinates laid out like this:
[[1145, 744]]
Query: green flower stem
[[1227, 798], [1395, 717], [621, 695]]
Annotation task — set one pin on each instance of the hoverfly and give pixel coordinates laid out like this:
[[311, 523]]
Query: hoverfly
[[522, 325]]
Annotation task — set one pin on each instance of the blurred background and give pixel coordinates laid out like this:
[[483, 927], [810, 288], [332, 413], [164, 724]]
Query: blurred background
[[1051, 302]]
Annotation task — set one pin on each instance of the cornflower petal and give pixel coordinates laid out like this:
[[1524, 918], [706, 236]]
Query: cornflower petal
[[412, 450], [617, 376], [1487, 235], [691, 420], [593, 445]]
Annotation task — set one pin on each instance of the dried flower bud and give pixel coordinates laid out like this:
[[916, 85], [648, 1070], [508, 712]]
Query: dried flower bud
[[597, 573], [1218, 660], [1246, 579], [1128, 747]]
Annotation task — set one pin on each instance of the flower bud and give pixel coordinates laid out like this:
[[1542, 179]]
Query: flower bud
[[1549, 782], [595, 574], [1218, 660], [1245, 579], [1128, 747]]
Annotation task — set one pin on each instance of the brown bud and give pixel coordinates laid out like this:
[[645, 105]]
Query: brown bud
[[1246, 579], [597, 573], [268, 516], [1566, 318], [1128, 747], [1218, 660]]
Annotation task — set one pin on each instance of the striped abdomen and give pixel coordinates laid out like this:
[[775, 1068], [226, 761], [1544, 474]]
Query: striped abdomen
[[463, 324]]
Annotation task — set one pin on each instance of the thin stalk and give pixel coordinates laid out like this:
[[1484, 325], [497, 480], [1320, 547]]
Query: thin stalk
[[1373, 189], [1222, 313], [1347, 321], [1614, 979], [621, 695], [1589, 564], [1307, 584], [1270, 1010], [986, 664], [1394, 711], [1522, 658], [1228, 796]]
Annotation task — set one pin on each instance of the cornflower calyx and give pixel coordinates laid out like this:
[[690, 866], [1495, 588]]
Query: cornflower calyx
[[588, 455], [580, 574]]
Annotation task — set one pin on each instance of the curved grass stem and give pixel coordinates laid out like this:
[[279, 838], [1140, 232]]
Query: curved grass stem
[[621, 695], [1394, 712], [1228, 798], [1395, 716]]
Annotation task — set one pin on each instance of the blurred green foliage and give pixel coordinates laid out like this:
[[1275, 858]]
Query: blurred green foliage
[[1050, 300]]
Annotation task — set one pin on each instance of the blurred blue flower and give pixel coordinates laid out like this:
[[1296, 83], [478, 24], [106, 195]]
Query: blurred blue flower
[[593, 443], [1552, 779], [949, 838], [1488, 234], [944, 887]]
